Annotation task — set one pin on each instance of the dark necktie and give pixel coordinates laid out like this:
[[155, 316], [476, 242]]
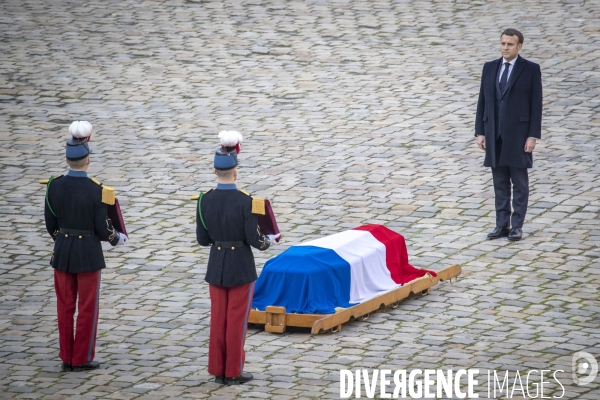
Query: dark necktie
[[504, 76]]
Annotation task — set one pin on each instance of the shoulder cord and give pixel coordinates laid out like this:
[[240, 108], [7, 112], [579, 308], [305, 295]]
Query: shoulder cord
[[200, 210], [47, 201]]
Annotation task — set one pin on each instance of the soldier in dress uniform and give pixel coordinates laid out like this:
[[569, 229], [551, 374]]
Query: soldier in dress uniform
[[225, 221], [76, 218]]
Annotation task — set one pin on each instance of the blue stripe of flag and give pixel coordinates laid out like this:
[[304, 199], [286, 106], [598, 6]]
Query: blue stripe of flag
[[304, 280]]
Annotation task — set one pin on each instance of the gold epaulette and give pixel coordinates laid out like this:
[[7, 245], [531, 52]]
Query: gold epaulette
[[243, 191], [108, 192], [108, 195], [258, 206], [197, 196]]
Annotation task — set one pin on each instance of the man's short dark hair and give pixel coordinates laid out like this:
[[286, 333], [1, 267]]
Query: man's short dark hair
[[228, 173], [77, 164], [513, 32]]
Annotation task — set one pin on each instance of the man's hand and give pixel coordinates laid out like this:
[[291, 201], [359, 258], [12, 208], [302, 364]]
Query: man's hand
[[481, 142], [122, 239], [530, 145]]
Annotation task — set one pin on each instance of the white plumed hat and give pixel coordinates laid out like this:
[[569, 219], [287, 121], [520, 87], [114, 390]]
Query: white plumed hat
[[231, 139], [80, 129]]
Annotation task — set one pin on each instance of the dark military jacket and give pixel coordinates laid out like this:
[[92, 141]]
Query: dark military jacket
[[77, 203], [228, 217]]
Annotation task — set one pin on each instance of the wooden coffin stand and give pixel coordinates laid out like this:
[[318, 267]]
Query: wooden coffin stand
[[275, 319]]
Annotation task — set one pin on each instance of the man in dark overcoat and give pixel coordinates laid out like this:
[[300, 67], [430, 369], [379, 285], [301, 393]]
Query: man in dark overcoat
[[76, 219], [507, 124], [227, 220]]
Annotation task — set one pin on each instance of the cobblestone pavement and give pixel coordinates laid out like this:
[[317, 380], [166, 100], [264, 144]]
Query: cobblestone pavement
[[354, 112]]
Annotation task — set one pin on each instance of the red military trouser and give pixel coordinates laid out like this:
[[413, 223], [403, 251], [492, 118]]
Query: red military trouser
[[229, 311], [77, 347]]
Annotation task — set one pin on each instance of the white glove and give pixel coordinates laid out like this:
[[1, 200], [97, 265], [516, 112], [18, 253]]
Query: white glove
[[122, 239], [273, 238]]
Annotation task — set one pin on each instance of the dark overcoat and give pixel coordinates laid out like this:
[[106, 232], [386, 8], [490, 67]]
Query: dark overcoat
[[228, 217], [518, 110], [77, 205]]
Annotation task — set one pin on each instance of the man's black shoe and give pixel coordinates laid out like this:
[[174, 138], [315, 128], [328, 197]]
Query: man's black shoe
[[500, 231], [87, 366], [220, 379], [238, 380], [66, 367], [515, 234]]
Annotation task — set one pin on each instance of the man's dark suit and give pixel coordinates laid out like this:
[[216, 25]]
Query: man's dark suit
[[507, 118]]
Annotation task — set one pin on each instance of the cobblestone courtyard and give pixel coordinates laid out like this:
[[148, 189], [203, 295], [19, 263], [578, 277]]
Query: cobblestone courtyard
[[353, 112]]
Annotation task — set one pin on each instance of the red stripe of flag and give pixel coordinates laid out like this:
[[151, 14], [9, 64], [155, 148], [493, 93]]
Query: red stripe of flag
[[396, 255]]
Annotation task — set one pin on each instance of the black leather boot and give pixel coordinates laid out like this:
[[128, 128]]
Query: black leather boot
[[238, 380]]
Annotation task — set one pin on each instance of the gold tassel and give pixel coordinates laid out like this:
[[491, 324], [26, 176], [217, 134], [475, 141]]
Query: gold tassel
[[258, 206], [108, 195], [44, 181]]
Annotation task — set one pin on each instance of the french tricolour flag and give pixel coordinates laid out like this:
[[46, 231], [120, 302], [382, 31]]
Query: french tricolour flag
[[339, 270]]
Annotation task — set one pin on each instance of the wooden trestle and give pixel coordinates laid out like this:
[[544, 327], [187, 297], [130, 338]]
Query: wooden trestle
[[275, 319]]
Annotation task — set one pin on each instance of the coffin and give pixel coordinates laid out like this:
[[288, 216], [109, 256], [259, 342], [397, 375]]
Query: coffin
[[336, 271]]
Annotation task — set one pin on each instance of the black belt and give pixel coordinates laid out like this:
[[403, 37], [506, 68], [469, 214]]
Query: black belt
[[76, 232], [228, 245]]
